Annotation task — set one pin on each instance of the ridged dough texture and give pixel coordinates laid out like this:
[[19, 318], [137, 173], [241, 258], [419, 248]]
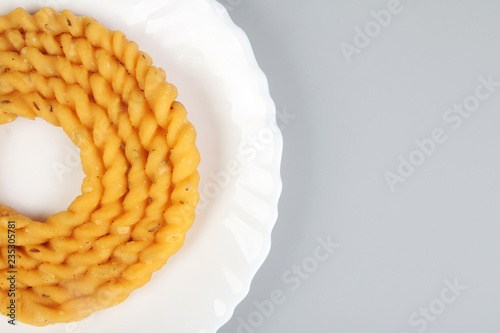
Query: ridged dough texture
[[138, 154]]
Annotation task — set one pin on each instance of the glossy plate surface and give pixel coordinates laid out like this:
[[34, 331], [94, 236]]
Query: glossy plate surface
[[211, 62]]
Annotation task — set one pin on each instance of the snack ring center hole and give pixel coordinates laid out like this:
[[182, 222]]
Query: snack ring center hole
[[40, 168]]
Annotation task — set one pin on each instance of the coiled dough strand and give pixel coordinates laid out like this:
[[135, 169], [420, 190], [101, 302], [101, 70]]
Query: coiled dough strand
[[138, 154]]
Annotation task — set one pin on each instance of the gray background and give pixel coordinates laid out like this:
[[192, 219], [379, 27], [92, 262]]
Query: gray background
[[400, 251]]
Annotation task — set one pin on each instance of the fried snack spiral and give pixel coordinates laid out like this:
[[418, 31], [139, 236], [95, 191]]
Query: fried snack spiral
[[138, 154]]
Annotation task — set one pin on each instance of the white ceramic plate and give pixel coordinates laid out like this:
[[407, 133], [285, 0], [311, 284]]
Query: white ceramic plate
[[211, 62]]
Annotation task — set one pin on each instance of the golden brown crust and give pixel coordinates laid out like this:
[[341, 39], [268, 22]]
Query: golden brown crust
[[138, 154]]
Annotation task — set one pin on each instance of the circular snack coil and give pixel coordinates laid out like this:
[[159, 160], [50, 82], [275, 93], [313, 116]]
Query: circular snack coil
[[138, 154]]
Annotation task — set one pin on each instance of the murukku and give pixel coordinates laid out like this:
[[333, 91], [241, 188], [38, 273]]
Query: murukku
[[138, 154]]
